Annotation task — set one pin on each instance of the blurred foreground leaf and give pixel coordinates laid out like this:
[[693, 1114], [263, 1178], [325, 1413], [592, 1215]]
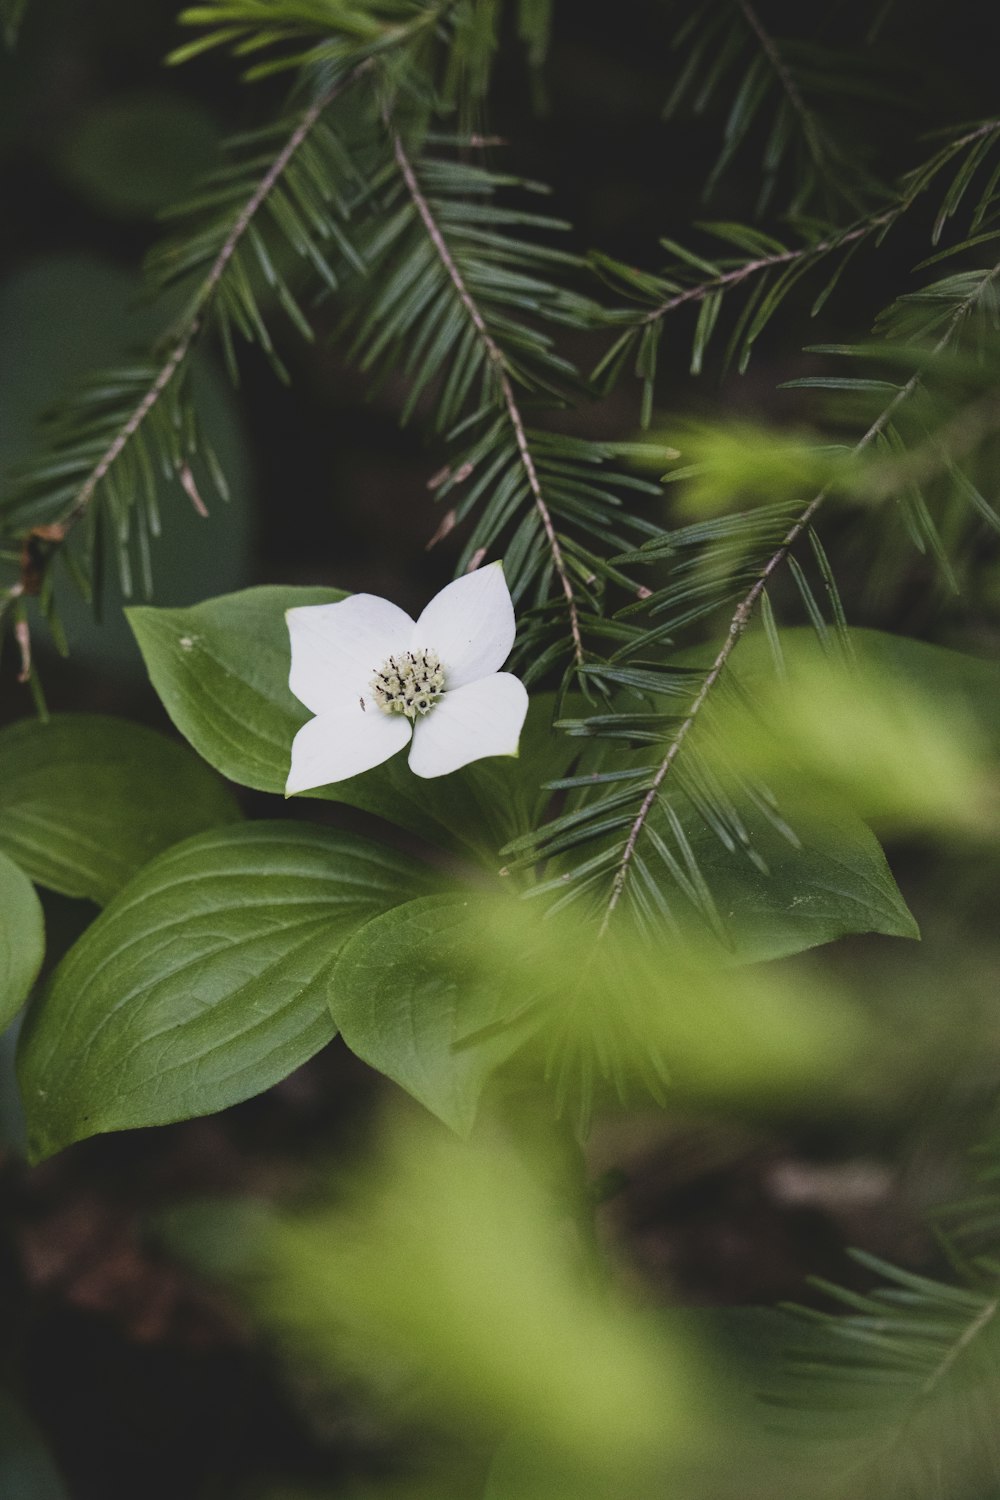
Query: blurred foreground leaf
[[895, 733], [449, 1263], [440, 993], [729, 466], [136, 153]]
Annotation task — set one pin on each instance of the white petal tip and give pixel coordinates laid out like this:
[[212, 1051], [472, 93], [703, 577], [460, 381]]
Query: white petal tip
[[480, 721]]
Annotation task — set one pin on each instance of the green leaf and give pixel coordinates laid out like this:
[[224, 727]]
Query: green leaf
[[733, 872], [86, 801], [406, 995], [958, 682], [221, 670], [445, 992], [838, 882], [453, 1270], [204, 982], [905, 733], [22, 939]]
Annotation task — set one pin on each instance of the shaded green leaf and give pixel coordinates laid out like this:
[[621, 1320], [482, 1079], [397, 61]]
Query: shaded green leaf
[[453, 1267], [87, 800], [204, 982], [835, 882], [407, 996], [221, 670], [22, 939]]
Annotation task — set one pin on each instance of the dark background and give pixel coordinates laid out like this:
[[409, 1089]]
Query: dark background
[[140, 1381]]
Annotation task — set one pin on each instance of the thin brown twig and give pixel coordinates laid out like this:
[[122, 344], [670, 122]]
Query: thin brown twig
[[782, 73], [496, 357], [22, 635], [124, 435], [728, 279], [744, 610], [737, 626]]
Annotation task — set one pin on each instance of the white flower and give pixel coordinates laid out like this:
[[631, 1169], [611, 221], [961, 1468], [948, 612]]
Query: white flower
[[374, 678]]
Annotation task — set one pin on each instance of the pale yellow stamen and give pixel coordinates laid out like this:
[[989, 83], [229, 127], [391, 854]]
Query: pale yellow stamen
[[410, 683]]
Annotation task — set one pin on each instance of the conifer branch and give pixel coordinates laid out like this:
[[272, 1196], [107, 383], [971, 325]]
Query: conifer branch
[[919, 180], [169, 369], [982, 1319], [726, 280], [186, 338], [498, 363], [783, 74], [745, 609], [737, 625], [909, 1334]]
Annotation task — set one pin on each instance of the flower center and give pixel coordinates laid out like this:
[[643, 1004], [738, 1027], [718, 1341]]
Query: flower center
[[409, 684]]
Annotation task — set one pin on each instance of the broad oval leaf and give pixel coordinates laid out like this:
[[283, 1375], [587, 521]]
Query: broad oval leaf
[[221, 670], [86, 801], [405, 997], [204, 981], [833, 882], [960, 684], [443, 993], [22, 939]]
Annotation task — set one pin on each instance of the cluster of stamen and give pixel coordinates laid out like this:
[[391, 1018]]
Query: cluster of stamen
[[409, 684]]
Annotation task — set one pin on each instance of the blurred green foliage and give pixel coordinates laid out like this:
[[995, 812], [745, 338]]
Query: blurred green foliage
[[135, 154]]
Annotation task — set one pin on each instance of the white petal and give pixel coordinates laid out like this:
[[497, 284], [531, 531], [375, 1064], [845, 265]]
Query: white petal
[[336, 648], [470, 625], [341, 743], [482, 718]]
